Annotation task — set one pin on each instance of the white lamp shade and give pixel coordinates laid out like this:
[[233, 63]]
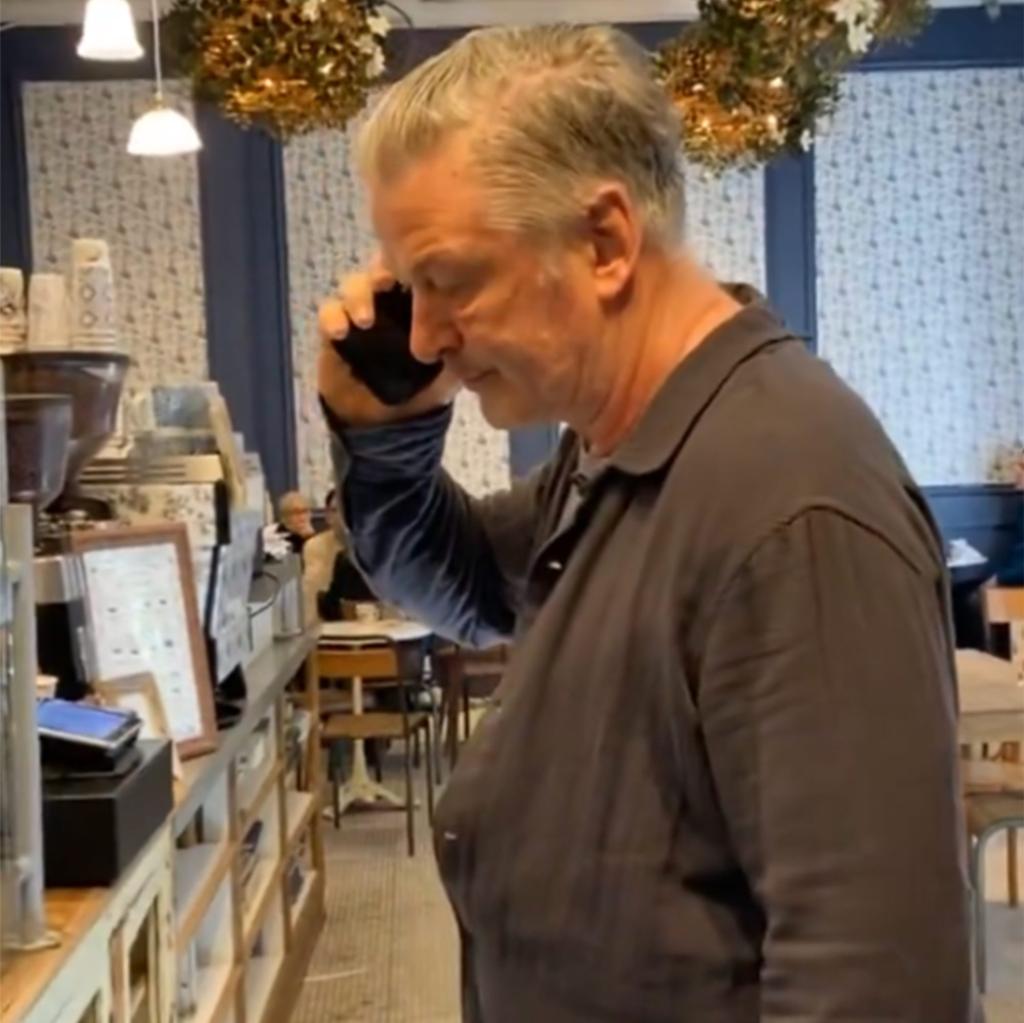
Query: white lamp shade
[[163, 132], [108, 32]]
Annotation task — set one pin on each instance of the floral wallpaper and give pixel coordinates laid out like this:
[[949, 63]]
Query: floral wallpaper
[[83, 184], [329, 233], [724, 223], [920, 256]]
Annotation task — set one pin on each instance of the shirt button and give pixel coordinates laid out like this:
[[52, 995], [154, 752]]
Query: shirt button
[[450, 836], [555, 566]]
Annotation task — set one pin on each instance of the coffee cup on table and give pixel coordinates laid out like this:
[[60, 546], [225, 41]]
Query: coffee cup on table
[[367, 611]]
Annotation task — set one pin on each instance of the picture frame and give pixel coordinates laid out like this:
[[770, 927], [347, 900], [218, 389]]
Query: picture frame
[[140, 693], [142, 608]]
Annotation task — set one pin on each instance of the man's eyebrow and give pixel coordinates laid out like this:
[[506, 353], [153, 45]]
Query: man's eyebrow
[[435, 258]]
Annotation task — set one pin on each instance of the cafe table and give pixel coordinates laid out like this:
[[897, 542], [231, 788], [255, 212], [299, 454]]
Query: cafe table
[[342, 648]]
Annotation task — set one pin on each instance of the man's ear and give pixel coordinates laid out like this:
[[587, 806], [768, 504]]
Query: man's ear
[[614, 235]]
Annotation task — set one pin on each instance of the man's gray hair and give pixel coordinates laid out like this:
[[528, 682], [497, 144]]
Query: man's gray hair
[[550, 111]]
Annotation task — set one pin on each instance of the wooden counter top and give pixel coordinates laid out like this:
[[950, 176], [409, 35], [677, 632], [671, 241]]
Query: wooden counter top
[[70, 914]]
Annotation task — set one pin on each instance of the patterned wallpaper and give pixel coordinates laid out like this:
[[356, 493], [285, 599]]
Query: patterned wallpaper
[[329, 233], [725, 223], [82, 183], [920, 255]]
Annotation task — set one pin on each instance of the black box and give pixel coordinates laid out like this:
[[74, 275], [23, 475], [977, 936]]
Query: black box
[[94, 827]]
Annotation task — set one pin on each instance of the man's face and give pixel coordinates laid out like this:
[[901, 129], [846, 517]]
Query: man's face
[[298, 519], [515, 320]]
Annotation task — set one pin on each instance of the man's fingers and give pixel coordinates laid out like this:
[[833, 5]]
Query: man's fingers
[[332, 320], [357, 297], [381, 277]]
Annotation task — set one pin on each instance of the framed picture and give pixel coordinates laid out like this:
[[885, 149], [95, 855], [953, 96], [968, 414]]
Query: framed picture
[[141, 599], [140, 693]]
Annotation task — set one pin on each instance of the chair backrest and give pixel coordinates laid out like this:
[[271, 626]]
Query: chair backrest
[[1004, 605], [375, 659]]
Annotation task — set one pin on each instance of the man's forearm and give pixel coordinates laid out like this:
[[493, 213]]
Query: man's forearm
[[417, 536]]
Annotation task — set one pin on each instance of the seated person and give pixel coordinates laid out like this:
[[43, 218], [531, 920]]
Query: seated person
[[329, 576], [295, 520]]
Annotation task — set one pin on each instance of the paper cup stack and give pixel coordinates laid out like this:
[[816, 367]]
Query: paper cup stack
[[83, 319], [13, 336], [48, 318], [93, 326]]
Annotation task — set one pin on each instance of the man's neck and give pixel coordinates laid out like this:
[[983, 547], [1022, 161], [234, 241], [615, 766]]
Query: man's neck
[[674, 308]]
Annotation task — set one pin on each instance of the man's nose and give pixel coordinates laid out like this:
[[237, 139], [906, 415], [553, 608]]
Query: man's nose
[[433, 334]]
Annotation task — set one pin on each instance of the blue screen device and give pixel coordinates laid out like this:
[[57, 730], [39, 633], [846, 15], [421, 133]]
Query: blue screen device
[[103, 728]]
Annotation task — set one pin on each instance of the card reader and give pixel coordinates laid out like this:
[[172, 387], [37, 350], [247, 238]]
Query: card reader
[[84, 737]]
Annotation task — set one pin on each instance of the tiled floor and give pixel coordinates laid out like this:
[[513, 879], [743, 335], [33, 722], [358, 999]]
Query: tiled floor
[[389, 951]]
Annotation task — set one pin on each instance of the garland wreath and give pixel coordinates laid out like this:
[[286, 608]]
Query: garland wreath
[[750, 78]]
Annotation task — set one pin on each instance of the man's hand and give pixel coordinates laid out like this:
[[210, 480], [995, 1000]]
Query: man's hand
[[346, 397]]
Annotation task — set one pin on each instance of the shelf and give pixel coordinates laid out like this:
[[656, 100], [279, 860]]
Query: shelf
[[255, 808], [259, 983], [265, 879], [299, 809], [215, 988], [198, 873]]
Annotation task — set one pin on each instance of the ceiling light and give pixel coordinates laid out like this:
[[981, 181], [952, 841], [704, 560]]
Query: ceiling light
[[108, 32], [162, 131]]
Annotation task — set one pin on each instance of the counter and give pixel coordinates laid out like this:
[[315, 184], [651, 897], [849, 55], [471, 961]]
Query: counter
[[200, 901]]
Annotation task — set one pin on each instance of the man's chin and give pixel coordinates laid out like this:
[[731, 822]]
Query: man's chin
[[505, 410]]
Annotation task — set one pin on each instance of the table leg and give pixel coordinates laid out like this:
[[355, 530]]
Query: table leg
[[359, 786]]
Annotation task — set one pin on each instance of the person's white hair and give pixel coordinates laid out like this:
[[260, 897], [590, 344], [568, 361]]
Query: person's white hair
[[550, 111], [292, 501]]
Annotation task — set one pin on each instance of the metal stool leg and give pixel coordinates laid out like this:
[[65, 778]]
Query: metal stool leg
[[977, 864], [1011, 868], [336, 787], [430, 771], [410, 824]]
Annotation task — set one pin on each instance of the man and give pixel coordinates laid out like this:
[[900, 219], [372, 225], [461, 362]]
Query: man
[[720, 780], [296, 522]]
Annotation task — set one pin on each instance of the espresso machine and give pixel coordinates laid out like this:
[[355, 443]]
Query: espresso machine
[[61, 409]]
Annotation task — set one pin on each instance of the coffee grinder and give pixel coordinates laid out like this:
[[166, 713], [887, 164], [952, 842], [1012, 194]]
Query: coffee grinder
[[86, 386]]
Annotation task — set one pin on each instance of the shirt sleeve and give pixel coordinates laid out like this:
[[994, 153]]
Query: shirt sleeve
[[456, 562], [827, 699]]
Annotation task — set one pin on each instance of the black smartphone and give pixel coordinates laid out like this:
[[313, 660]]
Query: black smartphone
[[379, 356]]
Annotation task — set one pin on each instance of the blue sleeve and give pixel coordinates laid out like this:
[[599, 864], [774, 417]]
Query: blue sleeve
[[457, 563]]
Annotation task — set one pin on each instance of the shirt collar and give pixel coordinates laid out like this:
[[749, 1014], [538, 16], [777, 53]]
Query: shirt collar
[[696, 381]]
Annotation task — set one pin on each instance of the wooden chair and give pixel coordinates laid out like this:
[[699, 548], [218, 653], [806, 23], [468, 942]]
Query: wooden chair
[[1004, 605], [377, 663], [988, 813], [466, 674]]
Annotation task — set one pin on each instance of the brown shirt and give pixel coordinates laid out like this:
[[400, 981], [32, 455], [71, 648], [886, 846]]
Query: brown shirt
[[719, 781]]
